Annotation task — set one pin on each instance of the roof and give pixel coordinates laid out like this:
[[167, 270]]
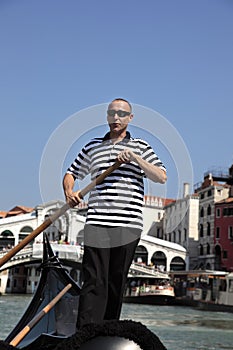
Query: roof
[[18, 210], [162, 242], [225, 201], [157, 201], [3, 214]]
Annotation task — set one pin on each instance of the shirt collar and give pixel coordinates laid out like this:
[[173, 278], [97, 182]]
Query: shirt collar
[[125, 139]]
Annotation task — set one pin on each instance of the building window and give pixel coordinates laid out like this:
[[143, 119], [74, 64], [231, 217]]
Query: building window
[[230, 232], [201, 249], [224, 254], [218, 213], [185, 234], [173, 236], [202, 195], [201, 230], [230, 286], [179, 232], [202, 212], [209, 210], [227, 211], [209, 193], [217, 232], [208, 229], [208, 249]]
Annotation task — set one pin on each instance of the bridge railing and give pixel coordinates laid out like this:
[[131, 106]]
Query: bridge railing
[[144, 269]]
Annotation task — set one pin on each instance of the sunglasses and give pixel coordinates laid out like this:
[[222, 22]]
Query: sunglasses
[[120, 113]]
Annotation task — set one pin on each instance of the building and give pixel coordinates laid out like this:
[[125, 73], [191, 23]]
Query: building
[[153, 212], [224, 234], [213, 189], [180, 224]]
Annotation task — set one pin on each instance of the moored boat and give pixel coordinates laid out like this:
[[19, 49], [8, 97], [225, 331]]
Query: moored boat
[[205, 290], [149, 289], [223, 298]]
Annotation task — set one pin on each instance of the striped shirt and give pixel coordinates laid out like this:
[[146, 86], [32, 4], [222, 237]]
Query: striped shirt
[[118, 200]]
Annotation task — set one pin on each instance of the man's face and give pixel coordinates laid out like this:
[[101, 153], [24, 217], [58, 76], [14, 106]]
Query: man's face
[[119, 123]]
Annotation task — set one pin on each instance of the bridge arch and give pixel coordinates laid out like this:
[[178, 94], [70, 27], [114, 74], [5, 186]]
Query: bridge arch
[[25, 231], [159, 259], [141, 254], [177, 264], [7, 239]]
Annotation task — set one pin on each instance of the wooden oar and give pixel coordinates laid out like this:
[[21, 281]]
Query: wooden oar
[[56, 215], [19, 337]]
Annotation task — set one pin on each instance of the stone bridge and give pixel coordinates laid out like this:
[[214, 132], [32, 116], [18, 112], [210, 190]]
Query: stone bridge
[[169, 256]]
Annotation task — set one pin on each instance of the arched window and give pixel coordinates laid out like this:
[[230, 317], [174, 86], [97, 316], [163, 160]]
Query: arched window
[[179, 236], [208, 229], [207, 249], [185, 234], [201, 230], [209, 210], [202, 212]]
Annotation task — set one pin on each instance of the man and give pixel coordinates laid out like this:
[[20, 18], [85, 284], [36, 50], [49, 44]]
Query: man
[[114, 218]]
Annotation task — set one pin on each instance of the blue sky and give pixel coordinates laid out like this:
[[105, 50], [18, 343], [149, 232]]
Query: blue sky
[[60, 57]]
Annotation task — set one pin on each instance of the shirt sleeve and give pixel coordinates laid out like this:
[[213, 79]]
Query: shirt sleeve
[[80, 166], [148, 154]]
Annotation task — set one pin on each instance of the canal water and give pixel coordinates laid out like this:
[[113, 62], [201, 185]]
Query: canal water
[[179, 328]]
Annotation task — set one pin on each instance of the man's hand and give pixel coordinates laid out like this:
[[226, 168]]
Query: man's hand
[[153, 172], [73, 198], [126, 156]]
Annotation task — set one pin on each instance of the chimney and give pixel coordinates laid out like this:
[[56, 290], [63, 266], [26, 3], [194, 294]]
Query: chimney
[[186, 189]]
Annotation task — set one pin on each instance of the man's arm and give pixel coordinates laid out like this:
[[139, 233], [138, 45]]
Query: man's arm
[[152, 171], [72, 198]]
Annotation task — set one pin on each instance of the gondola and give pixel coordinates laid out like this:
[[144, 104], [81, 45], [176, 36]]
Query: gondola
[[57, 329], [60, 322]]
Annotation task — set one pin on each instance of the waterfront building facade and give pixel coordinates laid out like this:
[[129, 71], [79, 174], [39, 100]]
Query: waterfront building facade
[[180, 224], [224, 233], [210, 192]]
